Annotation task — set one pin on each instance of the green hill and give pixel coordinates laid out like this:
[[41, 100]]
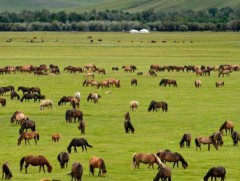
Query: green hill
[[128, 5]]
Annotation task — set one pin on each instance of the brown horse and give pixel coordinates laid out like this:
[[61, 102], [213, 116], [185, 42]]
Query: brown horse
[[167, 156], [227, 126], [217, 137], [164, 174], [168, 82], [28, 136], [3, 101], [6, 173], [145, 158], [219, 83], [14, 94], [154, 106], [235, 137], [224, 72], [75, 102], [65, 99], [205, 140], [187, 137], [198, 83], [103, 83], [75, 114], [134, 82], [77, 171], [35, 161], [56, 137], [82, 126], [63, 159], [113, 81], [19, 117], [134, 105], [215, 172], [95, 162]]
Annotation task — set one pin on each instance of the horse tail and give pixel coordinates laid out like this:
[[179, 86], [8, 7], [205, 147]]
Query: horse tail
[[88, 144], [166, 107], [34, 127], [91, 169], [197, 142], [38, 136], [134, 160], [21, 163]]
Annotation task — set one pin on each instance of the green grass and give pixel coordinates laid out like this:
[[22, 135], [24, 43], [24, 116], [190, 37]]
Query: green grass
[[198, 111]]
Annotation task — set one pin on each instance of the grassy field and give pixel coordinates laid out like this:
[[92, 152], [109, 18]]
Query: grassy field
[[198, 111]]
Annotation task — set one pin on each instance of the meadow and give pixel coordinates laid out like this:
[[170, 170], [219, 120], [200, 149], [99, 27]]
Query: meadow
[[199, 111]]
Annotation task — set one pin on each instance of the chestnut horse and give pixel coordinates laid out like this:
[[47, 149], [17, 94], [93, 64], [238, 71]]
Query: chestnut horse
[[56, 137], [27, 136], [134, 105], [227, 126], [145, 158], [185, 138], [95, 162], [35, 161], [205, 140], [77, 171], [215, 172]]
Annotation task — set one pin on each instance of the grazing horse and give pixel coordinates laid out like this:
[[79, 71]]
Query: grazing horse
[[164, 174], [134, 82], [14, 94], [6, 173], [113, 81], [27, 136], [167, 156], [219, 83], [205, 140], [215, 172], [168, 81], [35, 90], [63, 159], [75, 102], [77, 95], [35, 161], [78, 142], [187, 137], [217, 137], [94, 97], [96, 162], [27, 124], [56, 137], [224, 72], [235, 137], [128, 126], [77, 171], [65, 99], [3, 101], [103, 83], [76, 114], [39, 97], [19, 117], [28, 96], [115, 69], [24, 89], [145, 158], [46, 103], [198, 83], [82, 126], [134, 105], [154, 106], [227, 126]]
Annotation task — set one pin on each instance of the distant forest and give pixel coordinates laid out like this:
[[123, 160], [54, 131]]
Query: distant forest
[[212, 19]]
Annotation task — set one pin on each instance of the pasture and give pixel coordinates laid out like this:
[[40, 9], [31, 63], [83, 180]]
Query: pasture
[[199, 111]]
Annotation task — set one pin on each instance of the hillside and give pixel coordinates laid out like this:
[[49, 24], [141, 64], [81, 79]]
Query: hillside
[[129, 5]]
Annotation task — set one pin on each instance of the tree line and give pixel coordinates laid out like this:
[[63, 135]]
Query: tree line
[[213, 19]]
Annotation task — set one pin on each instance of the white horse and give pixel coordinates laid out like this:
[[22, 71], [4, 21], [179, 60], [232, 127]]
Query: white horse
[[77, 95], [46, 103], [134, 105]]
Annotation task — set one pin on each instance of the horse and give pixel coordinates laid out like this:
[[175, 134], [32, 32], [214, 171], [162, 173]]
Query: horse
[[219, 83], [27, 136], [134, 105], [82, 126], [185, 138], [77, 95], [227, 126], [145, 158], [134, 82], [96, 162], [198, 83], [46, 103], [64, 99], [235, 137], [217, 137], [75, 102], [23, 89], [113, 81], [19, 117], [115, 69], [77, 171], [205, 140], [89, 74], [27, 124], [78, 142], [215, 172], [6, 173], [39, 97], [128, 126], [35, 90], [103, 83], [76, 114], [94, 97], [127, 116], [56, 137], [28, 96], [63, 159], [152, 73], [224, 72], [154, 106], [3, 101], [14, 94], [35, 161], [167, 156], [164, 174], [168, 81], [101, 70]]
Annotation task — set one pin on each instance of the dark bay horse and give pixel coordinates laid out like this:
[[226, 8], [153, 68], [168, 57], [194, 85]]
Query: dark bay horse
[[77, 171], [165, 82], [35, 161], [154, 106], [14, 94], [96, 162], [235, 137], [26, 125], [215, 172], [145, 158], [227, 126], [3, 101], [217, 137], [164, 174], [187, 137], [24, 89], [167, 156], [63, 159], [128, 126], [65, 99], [28, 136], [78, 142], [28, 96], [6, 173], [205, 140], [76, 114], [82, 126]]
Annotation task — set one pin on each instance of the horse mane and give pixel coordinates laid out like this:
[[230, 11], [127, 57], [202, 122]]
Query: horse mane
[[133, 159], [151, 105], [182, 159], [223, 125], [103, 166], [70, 145], [160, 163]]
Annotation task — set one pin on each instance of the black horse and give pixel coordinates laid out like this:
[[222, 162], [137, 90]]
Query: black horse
[[235, 137], [28, 97], [128, 126], [215, 172], [26, 125], [78, 142], [63, 159], [6, 173], [14, 94], [24, 89], [154, 106]]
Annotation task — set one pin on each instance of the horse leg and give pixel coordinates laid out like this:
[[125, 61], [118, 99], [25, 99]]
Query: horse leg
[[26, 166], [209, 147], [35, 138], [75, 149]]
